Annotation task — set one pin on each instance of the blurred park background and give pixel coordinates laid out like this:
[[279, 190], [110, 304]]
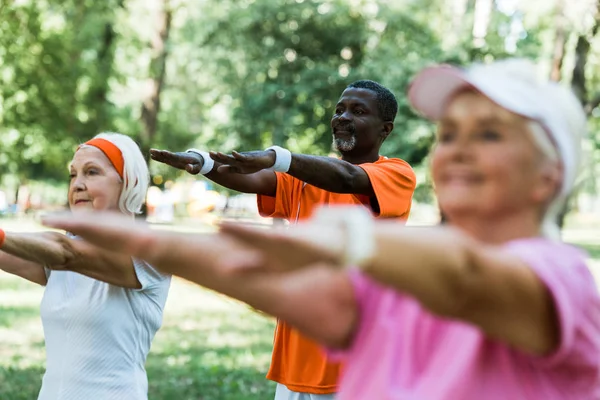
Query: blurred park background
[[239, 74]]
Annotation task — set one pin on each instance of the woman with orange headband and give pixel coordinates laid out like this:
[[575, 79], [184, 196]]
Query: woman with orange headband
[[100, 310]]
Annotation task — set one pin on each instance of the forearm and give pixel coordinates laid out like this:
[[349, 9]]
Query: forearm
[[115, 269], [317, 301], [54, 250], [40, 248], [29, 270], [330, 174], [431, 264], [245, 183]]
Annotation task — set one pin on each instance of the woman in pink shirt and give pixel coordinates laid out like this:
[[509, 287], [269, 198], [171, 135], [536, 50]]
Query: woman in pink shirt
[[492, 306]]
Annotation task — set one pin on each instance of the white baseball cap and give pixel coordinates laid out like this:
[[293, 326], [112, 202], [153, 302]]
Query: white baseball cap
[[514, 85]]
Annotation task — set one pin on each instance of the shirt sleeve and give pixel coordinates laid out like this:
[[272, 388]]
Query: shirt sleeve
[[564, 272], [148, 276], [367, 294], [280, 205], [393, 181]]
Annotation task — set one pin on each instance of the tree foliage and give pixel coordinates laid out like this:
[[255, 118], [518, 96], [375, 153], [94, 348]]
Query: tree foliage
[[245, 74]]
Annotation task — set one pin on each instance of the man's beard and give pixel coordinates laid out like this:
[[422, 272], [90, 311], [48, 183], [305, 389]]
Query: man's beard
[[344, 145]]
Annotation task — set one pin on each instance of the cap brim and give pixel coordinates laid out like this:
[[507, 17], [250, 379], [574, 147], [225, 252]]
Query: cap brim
[[433, 87]]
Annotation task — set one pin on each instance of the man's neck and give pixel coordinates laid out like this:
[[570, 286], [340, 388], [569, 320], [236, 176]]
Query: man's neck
[[360, 159]]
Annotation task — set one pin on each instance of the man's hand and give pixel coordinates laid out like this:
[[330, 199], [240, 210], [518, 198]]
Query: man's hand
[[244, 163], [190, 161]]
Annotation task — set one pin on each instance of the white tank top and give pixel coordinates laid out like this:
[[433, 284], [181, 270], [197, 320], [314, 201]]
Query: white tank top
[[98, 335]]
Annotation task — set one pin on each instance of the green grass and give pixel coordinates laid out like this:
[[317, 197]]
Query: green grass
[[209, 347]]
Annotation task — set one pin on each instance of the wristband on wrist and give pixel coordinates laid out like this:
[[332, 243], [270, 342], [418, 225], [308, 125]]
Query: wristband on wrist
[[283, 159], [2, 236], [208, 163], [358, 228]]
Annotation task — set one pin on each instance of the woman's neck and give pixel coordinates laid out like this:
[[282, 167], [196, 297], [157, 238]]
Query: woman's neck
[[499, 229]]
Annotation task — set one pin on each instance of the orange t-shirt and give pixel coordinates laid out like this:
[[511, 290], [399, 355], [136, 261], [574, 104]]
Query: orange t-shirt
[[298, 362]]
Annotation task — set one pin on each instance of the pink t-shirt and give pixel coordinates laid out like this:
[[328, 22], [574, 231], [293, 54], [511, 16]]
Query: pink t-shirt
[[402, 351]]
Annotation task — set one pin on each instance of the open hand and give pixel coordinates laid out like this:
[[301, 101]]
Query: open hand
[[247, 162], [282, 250], [109, 231], [188, 161]]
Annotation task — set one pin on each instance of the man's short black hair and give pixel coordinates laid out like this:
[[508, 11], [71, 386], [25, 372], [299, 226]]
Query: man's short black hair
[[386, 101]]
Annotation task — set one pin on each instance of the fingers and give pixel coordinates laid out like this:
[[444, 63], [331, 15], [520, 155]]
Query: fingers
[[262, 239], [104, 230], [176, 160], [244, 233], [239, 156], [244, 262], [193, 169], [159, 155], [64, 221], [222, 158]]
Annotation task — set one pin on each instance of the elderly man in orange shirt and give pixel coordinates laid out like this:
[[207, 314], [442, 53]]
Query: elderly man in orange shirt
[[291, 186]]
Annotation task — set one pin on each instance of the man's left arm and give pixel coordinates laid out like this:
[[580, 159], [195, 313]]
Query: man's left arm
[[331, 174], [389, 184]]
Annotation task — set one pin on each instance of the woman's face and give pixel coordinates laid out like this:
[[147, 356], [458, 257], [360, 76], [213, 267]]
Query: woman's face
[[95, 183], [485, 161]]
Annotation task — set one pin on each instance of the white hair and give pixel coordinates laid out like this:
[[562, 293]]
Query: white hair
[[541, 139], [573, 126], [136, 177]]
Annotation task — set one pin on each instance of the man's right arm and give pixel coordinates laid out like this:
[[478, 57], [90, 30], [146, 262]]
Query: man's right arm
[[262, 182]]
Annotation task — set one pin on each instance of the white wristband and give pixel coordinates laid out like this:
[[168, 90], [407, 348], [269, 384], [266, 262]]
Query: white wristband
[[283, 159], [207, 164], [357, 224]]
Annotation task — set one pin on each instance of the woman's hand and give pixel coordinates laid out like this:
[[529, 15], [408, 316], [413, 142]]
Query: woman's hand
[[112, 232], [286, 249]]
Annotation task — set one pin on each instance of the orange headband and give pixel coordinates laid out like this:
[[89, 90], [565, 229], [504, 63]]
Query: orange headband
[[111, 151]]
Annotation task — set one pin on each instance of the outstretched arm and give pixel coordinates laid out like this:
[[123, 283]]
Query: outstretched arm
[[448, 272], [29, 270], [261, 181], [57, 251], [328, 311], [249, 172], [328, 173]]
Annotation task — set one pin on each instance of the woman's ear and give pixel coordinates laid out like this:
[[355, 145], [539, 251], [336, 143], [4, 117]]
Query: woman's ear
[[550, 182]]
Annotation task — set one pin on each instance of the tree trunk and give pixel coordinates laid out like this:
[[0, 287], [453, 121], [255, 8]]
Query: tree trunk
[[582, 50], [481, 21], [458, 12], [106, 56], [155, 82], [579, 82], [560, 40]]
